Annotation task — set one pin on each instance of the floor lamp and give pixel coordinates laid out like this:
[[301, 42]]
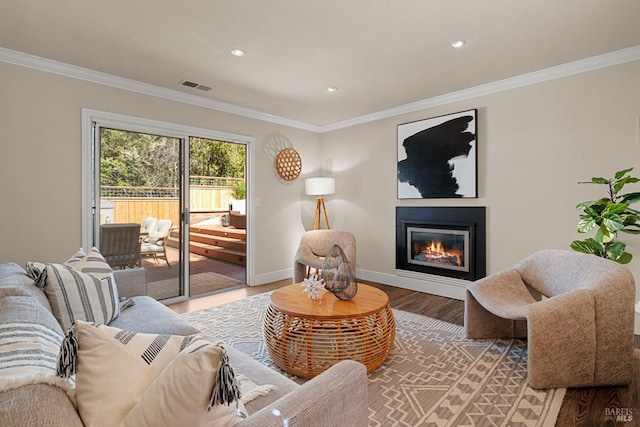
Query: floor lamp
[[320, 187]]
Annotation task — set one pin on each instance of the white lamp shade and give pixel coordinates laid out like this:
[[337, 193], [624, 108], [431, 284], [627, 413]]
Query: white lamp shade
[[319, 186]]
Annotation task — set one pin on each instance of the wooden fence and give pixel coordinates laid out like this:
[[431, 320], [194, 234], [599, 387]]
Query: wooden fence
[[136, 209]]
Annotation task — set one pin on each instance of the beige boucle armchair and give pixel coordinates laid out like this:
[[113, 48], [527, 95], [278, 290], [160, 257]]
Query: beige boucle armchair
[[314, 246], [576, 311]]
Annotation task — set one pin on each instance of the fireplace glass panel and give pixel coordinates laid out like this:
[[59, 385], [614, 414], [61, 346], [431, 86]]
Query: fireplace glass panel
[[438, 248]]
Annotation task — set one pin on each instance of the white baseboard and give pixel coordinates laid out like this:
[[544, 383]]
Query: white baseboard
[[427, 283], [270, 277]]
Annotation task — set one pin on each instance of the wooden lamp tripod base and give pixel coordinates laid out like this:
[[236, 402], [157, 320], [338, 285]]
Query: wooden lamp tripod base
[[320, 186], [316, 221]]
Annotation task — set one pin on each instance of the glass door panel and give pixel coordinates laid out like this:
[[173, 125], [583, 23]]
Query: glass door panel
[[217, 206], [140, 182]]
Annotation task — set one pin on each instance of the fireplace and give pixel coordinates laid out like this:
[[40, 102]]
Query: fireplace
[[443, 241], [440, 248]]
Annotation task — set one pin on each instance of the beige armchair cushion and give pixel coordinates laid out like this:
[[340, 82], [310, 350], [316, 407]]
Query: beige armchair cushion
[[576, 311], [314, 246]]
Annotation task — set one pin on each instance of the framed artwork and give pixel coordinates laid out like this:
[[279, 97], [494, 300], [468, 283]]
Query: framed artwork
[[437, 157]]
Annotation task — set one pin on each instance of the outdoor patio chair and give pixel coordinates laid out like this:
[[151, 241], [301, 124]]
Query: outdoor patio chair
[[120, 244], [155, 244], [148, 225]]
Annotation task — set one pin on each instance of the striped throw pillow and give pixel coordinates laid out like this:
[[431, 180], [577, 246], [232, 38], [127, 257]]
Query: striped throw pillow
[[134, 379], [29, 343], [75, 295], [91, 263]]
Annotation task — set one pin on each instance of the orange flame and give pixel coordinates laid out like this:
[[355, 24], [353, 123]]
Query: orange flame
[[435, 250]]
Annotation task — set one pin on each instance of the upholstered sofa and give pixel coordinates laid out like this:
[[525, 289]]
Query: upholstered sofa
[[338, 397]]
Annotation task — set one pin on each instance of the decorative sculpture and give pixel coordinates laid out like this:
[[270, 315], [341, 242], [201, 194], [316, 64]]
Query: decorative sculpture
[[312, 287], [338, 275], [288, 164]]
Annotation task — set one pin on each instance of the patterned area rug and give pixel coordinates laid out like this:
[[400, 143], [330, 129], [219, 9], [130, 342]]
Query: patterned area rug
[[434, 376]]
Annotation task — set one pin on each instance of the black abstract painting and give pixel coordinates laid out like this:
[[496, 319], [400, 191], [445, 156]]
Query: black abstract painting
[[437, 157]]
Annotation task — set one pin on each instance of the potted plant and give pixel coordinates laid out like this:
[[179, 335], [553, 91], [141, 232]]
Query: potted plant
[[609, 215], [238, 190], [237, 210]]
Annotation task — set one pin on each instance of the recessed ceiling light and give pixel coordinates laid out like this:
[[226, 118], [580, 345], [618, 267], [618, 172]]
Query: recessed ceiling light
[[457, 44], [332, 89], [237, 52]]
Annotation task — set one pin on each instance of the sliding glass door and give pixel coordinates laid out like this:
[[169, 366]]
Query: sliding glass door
[[186, 193], [139, 182], [217, 215]]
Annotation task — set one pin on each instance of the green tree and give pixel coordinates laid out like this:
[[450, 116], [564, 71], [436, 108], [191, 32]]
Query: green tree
[[209, 157], [144, 160], [138, 159]]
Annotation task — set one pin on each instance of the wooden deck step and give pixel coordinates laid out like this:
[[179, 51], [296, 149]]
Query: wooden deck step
[[218, 252], [223, 243], [214, 240], [234, 233]]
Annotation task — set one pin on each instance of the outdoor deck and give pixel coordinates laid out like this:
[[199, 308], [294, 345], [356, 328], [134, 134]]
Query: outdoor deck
[[215, 241], [207, 275]]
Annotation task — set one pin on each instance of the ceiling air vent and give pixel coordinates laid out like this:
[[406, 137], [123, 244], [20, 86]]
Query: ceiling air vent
[[194, 85]]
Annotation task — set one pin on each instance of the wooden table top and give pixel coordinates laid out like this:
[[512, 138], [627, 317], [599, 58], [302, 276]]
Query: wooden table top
[[291, 300]]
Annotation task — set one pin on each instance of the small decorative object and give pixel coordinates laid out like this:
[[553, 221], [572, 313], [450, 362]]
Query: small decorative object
[[288, 164], [313, 287], [609, 215], [337, 274]]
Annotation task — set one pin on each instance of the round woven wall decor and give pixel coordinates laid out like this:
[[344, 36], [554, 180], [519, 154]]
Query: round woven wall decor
[[288, 164]]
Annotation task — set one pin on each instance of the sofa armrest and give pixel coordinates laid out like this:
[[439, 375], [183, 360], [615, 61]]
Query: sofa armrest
[[131, 282], [337, 397]]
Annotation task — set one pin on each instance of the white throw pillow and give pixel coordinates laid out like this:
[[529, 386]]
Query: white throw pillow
[[74, 295], [181, 394], [134, 379]]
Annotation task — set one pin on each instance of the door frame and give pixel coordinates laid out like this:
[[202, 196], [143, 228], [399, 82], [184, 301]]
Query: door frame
[[137, 124]]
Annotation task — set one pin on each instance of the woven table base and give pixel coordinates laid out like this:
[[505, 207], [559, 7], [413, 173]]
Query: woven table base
[[306, 343]]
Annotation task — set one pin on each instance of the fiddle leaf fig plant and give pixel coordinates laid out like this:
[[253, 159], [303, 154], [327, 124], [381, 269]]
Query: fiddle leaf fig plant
[[609, 215]]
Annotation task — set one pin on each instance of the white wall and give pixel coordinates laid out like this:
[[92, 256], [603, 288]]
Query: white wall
[[535, 143], [40, 166]]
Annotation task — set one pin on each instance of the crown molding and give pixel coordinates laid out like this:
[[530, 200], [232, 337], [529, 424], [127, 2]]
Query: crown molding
[[67, 70], [564, 70]]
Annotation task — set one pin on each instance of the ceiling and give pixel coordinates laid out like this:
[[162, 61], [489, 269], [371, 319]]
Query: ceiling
[[380, 54]]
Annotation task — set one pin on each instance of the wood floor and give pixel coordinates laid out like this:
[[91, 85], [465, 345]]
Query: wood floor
[[581, 406]]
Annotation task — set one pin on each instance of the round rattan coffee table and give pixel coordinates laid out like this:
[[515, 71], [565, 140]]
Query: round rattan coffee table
[[307, 337]]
